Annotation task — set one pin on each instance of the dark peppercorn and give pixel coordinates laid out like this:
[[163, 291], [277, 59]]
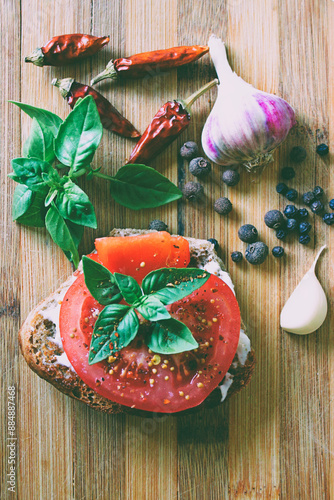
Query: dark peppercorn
[[199, 167], [274, 219], [281, 234], [192, 191], [304, 239], [318, 192], [302, 214], [158, 225], [331, 204], [328, 219], [236, 256], [288, 173], [308, 198], [304, 227], [290, 212], [214, 242], [282, 188], [189, 150], [231, 177], [291, 195], [298, 154], [223, 206], [291, 225], [317, 207], [322, 149], [256, 253], [278, 251], [248, 233]]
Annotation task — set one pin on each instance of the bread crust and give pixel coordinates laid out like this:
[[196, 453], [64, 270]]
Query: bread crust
[[36, 338]]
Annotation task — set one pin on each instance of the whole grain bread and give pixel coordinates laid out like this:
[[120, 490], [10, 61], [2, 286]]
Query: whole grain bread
[[46, 357]]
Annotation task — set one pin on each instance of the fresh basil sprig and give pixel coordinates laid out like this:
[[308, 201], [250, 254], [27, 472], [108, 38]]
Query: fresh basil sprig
[[117, 325], [54, 147]]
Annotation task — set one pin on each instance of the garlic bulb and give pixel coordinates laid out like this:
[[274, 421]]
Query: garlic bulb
[[245, 124]]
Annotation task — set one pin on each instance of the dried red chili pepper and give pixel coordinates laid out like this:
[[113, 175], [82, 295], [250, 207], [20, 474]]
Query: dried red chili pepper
[[148, 63], [111, 119], [171, 119], [66, 49]]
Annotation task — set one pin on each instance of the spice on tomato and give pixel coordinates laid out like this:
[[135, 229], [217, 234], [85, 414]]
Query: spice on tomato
[[66, 49], [111, 119], [150, 63]]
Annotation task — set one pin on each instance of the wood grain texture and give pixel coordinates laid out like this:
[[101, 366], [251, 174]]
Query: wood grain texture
[[273, 440]]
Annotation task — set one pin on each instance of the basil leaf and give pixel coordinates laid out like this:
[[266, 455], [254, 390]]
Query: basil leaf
[[116, 326], [28, 207], [171, 337], [128, 287], [50, 196], [39, 143], [73, 204], [29, 171], [76, 232], [139, 186], [61, 234], [46, 119], [100, 282], [152, 309], [79, 135], [172, 284]]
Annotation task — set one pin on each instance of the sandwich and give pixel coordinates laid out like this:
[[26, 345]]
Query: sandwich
[[147, 324]]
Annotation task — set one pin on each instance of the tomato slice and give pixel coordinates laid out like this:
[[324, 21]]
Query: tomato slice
[[141, 254]]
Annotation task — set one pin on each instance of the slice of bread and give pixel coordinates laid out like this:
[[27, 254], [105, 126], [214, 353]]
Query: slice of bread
[[41, 345]]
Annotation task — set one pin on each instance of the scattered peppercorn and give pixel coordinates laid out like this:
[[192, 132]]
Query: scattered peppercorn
[[331, 204], [298, 154], [318, 192], [248, 233], [236, 256], [223, 206], [231, 177], [282, 188], [304, 239], [281, 234], [328, 219], [274, 219], [304, 227], [290, 212], [302, 214], [214, 242], [199, 167], [291, 225], [317, 207], [256, 253], [278, 252], [157, 225], [189, 150], [291, 195], [192, 191], [288, 173], [322, 149], [308, 198]]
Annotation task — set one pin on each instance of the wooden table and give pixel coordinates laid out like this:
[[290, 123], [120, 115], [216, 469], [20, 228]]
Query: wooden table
[[276, 438]]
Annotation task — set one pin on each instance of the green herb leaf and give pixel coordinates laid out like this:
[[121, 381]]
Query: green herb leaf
[[61, 234], [172, 284], [29, 171], [100, 282], [152, 309], [79, 135], [50, 196], [28, 207], [115, 318], [39, 143], [76, 232], [73, 204], [139, 186], [46, 119], [171, 337], [128, 287]]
